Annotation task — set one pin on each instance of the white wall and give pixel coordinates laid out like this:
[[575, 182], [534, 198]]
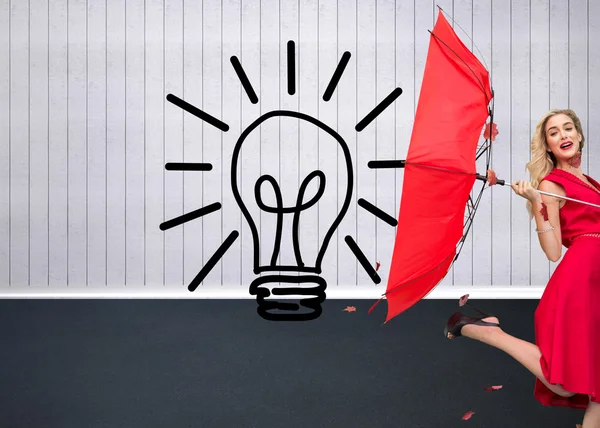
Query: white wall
[[85, 132]]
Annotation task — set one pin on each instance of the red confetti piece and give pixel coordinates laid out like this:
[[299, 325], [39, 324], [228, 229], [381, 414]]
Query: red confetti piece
[[492, 178], [544, 211], [468, 415], [494, 131], [492, 388], [350, 309], [463, 300], [377, 266]]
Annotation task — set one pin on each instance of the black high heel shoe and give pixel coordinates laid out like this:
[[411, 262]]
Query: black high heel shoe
[[458, 320]]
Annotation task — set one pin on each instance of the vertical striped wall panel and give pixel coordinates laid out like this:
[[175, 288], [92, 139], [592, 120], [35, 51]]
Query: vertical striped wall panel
[[86, 131]]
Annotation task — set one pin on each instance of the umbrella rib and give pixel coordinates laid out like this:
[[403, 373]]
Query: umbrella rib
[[482, 149], [468, 222], [466, 34], [403, 163], [438, 168], [467, 65]]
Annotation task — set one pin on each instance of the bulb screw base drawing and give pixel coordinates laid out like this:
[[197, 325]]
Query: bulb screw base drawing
[[289, 309]]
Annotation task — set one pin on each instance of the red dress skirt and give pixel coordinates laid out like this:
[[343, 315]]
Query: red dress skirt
[[567, 327]]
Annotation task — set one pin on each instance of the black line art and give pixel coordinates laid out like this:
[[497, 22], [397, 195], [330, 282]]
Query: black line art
[[190, 216], [362, 259], [337, 75], [308, 284], [291, 67], [259, 286], [377, 212], [265, 306], [379, 109], [237, 66], [198, 113], [188, 166], [213, 260], [386, 164]]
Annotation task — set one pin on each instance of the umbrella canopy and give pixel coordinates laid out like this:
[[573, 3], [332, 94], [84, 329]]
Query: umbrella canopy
[[439, 168]]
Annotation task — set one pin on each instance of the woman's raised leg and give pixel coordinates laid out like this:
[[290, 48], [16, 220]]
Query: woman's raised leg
[[592, 416], [526, 353]]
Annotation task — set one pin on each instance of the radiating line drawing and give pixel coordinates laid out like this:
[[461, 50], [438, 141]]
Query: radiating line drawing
[[309, 285]]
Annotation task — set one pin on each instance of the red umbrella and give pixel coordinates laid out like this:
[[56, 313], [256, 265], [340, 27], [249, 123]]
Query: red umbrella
[[440, 168]]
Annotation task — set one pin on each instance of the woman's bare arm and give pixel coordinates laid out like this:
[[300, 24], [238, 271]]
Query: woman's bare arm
[[550, 241]]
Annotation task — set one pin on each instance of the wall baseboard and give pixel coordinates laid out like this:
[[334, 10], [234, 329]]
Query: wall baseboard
[[488, 292]]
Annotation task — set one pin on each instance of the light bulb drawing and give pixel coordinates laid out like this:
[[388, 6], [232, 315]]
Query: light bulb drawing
[[259, 286], [303, 273]]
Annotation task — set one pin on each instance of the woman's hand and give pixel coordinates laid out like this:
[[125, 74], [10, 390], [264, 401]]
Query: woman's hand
[[526, 190]]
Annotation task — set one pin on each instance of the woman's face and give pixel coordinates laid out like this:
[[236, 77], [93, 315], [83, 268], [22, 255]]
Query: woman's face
[[562, 137]]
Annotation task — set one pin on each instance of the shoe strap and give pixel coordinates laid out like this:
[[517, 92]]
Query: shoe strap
[[491, 324]]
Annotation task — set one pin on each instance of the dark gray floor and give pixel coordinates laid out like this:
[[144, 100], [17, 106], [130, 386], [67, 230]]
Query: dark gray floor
[[207, 363]]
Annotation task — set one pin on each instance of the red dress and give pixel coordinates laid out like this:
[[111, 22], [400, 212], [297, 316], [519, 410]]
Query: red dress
[[567, 319]]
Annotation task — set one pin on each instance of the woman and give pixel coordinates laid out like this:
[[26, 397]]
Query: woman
[[566, 356]]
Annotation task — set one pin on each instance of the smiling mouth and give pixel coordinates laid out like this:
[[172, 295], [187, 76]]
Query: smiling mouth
[[566, 145]]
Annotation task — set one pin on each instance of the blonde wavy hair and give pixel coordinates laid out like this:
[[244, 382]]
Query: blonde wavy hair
[[543, 161]]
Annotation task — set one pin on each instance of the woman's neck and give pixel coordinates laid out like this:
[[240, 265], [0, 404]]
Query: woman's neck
[[572, 165]]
